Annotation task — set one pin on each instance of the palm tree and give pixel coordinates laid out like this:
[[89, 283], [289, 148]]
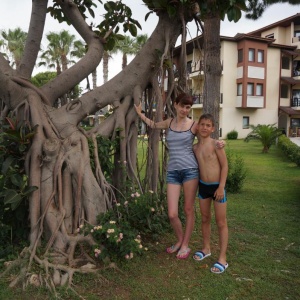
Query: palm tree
[[62, 46], [267, 134], [59, 48], [125, 46], [14, 41], [140, 41]]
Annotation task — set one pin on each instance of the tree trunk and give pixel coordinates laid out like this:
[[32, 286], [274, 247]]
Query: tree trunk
[[105, 66], [212, 68]]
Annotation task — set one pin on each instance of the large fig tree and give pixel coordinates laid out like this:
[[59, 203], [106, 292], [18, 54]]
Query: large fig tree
[[69, 193]]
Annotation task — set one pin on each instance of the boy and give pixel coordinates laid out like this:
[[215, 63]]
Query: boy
[[213, 168]]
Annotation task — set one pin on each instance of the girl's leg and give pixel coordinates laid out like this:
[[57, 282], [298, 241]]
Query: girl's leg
[[189, 191], [221, 220], [173, 194]]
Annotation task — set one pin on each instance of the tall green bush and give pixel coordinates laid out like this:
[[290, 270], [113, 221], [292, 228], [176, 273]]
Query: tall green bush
[[236, 172]]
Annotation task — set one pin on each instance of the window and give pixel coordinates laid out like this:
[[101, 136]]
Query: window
[[296, 67], [250, 89], [189, 67], [285, 62], [251, 55], [270, 36], [259, 89], [239, 89], [296, 98], [284, 91], [246, 123], [240, 55], [260, 56]]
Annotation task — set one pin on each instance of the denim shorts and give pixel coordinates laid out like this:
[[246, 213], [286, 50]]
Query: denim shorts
[[181, 176]]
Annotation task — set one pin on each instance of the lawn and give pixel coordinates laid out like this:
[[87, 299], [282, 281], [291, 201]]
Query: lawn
[[263, 252]]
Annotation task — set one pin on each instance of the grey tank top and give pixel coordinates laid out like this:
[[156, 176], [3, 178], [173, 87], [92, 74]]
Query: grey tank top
[[180, 144]]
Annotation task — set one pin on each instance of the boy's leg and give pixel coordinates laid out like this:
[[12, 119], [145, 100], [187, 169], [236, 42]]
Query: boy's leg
[[221, 220], [205, 210], [189, 191], [173, 193]]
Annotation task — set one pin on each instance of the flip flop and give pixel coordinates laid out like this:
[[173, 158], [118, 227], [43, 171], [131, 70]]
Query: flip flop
[[183, 254], [200, 255], [220, 267], [172, 249]]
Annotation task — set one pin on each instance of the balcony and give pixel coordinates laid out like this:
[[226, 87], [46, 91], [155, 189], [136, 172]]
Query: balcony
[[251, 102], [198, 100], [295, 103], [296, 39]]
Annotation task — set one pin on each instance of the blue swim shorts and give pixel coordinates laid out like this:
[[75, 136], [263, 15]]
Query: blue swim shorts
[[207, 190], [181, 176]]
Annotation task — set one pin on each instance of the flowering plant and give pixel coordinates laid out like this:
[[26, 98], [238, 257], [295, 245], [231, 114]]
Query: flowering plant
[[120, 230]]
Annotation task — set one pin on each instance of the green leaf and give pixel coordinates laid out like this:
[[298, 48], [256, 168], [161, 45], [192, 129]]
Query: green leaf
[[17, 180], [29, 190], [11, 196], [233, 14], [110, 44], [133, 29], [91, 12], [6, 164], [110, 6], [147, 15]]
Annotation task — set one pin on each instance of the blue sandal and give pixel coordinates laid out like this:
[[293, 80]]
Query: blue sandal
[[200, 255], [220, 267]]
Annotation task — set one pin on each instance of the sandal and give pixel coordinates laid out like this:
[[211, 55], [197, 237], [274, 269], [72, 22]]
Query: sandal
[[183, 254], [172, 249]]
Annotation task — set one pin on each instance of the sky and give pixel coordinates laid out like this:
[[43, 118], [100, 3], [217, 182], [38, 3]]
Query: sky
[[18, 15]]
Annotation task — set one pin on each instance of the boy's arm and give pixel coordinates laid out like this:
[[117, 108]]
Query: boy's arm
[[219, 194]]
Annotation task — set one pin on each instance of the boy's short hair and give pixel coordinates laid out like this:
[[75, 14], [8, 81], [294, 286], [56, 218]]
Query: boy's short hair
[[207, 117], [184, 99]]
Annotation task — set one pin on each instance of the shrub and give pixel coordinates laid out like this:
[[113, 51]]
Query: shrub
[[267, 134], [236, 172], [232, 135], [291, 150], [120, 231], [15, 139]]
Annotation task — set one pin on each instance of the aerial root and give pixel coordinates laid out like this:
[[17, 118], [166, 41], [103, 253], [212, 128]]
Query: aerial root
[[51, 275]]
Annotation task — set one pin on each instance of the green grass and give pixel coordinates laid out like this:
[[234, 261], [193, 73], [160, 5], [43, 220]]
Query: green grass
[[263, 252]]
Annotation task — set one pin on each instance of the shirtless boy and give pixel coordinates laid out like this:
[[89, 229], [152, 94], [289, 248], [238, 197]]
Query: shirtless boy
[[213, 169]]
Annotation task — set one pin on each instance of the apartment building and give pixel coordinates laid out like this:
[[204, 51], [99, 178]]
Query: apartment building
[[260, 82]]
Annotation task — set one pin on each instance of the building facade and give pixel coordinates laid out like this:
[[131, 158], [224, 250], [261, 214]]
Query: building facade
[[260, 81]]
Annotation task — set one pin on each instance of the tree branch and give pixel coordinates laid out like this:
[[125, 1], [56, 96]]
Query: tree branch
[[4, 65], [140, 71], [34, 37], [61, 84]]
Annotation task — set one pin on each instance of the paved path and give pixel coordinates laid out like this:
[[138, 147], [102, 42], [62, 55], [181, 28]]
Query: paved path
[[295, 140]]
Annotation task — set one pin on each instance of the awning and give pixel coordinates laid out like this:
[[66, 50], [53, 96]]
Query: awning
[[290, 111], [290, 80], [290, 52]]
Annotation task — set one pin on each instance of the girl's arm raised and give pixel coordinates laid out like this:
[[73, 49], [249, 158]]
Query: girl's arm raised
[[158, 125]]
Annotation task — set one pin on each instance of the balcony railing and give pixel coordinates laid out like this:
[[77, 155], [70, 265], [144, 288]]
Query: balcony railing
[[295, 102], [296, 39], [198, 98]]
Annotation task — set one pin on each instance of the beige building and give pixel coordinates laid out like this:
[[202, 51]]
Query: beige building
[[260, 82]]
